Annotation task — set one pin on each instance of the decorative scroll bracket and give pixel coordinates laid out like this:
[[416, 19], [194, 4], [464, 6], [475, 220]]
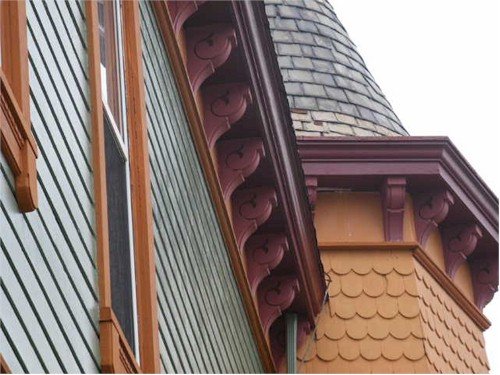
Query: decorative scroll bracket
[[458, 244], [484, 273], [224, 105], [275, 295], [180, 11], [263, 253], [238, 159], [312, 191], [208, 47], [393, 204], [430, 210], [251, 208]]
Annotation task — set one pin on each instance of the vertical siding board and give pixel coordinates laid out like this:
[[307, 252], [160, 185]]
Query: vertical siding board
[[26, 352], [193, 270], [48, 297], [44, 37]]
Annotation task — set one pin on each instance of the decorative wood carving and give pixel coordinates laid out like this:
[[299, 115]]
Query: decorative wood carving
[[458, 244], [312, 194], [484, 271], [263, 253], [208, 47], [17, 141], [275, 295], [238, 159], [393, 204], [251, 208], [224, 105], [430, 210], [180, 11]]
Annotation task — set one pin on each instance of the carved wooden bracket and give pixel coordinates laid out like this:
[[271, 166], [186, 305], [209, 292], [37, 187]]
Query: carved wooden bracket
[[393, 204], [208, 47], [180, 11], [312, 193], [238, 159], [251, 208], [430, 210], [19, 147], [275, 295], [223, 106], [484, 273], [263, 253], [458, 244]]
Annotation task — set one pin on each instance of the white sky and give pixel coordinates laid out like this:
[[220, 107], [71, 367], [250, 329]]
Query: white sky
[[438, 63]]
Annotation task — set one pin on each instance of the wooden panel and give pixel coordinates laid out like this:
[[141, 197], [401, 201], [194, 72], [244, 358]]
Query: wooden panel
[[49, 283], [203, 326]]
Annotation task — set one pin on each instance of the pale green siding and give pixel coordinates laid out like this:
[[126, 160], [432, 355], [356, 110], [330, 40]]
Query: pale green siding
[[48, 294], [203, 326]]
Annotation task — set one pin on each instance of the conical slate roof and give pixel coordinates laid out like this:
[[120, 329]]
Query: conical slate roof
[[329, 88]]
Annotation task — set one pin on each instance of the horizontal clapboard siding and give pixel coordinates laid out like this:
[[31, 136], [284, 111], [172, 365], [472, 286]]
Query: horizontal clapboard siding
[[203, 326], [48, 294]]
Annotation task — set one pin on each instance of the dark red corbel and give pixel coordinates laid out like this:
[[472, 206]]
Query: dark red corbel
[[430, 210], [223, 106], [275, 295], [393, 205], [208, 47], [238, 159], [312, 191], [180, 11], [458, 244], [263, 253], [484, 272], [251, 208]]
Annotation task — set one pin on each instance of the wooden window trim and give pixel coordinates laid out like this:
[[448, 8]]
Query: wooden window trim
[[17, 141], [116, 355], [4, 367]]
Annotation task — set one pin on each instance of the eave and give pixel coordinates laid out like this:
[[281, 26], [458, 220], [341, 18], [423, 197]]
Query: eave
[[241, 126], [429, 166]]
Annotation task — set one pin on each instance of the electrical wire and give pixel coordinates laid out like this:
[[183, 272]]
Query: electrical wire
[[313, 335]]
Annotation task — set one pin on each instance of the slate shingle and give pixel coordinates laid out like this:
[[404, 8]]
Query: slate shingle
[[323, 71]]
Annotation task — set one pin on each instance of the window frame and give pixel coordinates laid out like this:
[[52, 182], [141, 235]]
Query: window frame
[[116, 354], [17, 141]]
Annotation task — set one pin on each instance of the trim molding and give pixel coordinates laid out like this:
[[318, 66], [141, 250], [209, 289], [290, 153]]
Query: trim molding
[[449, 286], [4, 367], [142, 211]]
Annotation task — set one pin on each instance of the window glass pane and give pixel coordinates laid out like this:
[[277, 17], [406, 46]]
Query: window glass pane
[[110, 62], [119, 235]]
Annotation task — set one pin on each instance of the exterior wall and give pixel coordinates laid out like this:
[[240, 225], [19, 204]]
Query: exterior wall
[[453, 342], [203, 326], [386, 312], [48, 296], [372, 322]]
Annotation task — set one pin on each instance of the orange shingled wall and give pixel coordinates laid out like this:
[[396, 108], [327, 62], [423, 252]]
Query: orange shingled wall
[[385, 313]]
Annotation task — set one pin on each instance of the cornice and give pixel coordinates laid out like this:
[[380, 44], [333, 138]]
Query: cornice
[[448, 194]]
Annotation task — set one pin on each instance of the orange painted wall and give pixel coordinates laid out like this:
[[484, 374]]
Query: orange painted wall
[[385, 312]]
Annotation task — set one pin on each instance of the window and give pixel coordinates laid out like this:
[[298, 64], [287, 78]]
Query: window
[[121, 249], [17, 142], [128, 318]]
